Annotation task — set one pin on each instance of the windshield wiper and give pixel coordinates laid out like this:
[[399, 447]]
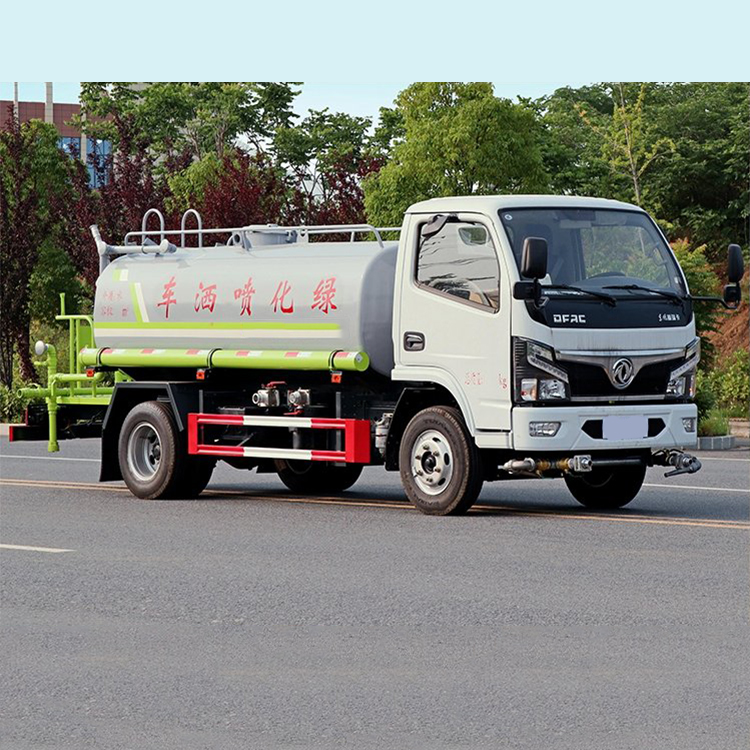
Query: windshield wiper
[[677, 298], [608, 298]]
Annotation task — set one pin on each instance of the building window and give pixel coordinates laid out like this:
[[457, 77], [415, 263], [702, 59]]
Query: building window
[[70, 145], [97, 159]]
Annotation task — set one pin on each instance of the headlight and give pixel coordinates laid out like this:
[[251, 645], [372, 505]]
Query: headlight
[[549, 389], [682, 379], [676, 388], [533, 361]]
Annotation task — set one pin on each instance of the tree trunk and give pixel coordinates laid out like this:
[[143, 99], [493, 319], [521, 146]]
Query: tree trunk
[[6, 358], [26, 367]]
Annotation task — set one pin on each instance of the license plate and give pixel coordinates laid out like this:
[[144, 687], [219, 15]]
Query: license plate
[[621, 427]]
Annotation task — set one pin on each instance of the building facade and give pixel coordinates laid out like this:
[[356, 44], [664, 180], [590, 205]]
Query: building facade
[[91, 151]]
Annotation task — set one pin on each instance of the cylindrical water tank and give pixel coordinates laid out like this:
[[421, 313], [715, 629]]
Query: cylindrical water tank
[[322, 296]]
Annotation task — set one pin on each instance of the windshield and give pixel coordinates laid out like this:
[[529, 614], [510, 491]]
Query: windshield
[[596, 249]]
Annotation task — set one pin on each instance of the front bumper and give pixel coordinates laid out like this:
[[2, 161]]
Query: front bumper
[[571, 435]]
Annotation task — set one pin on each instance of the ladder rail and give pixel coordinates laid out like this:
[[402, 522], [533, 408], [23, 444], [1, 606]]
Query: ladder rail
[[243, 235]]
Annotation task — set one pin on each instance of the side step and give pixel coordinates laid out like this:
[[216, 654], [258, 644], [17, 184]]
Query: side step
[[356, 437]]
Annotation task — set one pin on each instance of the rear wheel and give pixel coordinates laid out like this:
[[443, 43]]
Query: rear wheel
[[151, 460], [440, 465], [153, 457], [317, 478], [607, 489]]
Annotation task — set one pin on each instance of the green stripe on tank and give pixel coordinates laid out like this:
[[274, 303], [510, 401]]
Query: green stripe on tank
[[136, 307]]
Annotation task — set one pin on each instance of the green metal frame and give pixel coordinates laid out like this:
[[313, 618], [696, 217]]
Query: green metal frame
[[74, 387]]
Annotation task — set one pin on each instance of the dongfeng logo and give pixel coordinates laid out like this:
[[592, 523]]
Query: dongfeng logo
[[623, 373]]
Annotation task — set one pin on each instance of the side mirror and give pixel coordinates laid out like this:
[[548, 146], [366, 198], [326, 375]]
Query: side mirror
[[534, 258], [735, 264]]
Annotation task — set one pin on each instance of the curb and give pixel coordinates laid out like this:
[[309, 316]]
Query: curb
[[720, 443], [4, 430]]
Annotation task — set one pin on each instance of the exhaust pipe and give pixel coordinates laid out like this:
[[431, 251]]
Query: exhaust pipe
[[577, 464]]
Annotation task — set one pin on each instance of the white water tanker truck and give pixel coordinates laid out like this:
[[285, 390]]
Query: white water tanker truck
[[501, 337]]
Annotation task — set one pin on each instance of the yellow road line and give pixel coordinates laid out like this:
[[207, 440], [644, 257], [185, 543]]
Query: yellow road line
[[377, 503]]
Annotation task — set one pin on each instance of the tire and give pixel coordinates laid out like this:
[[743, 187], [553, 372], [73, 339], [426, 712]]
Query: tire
[[315, 478], [607, 489], [440, 465], [153, 461]]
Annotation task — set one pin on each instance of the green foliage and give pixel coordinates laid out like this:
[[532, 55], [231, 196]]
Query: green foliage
[[630, 145], [731, 383], [702, 187], [715, 422], [32, 175], [690, 143], [54, 273], [705, 394], [702, 281], [458, 139], [11, 405], [188, 187], [197, 118]]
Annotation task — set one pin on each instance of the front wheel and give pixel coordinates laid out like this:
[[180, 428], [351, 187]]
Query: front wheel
[[607, 489], [317, 478], [440, 465]]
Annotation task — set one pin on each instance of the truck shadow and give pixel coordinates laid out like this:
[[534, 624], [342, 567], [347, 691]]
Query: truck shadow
[[485, 507]]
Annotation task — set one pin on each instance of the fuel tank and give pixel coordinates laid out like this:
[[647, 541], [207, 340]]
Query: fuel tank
[[321, 296]]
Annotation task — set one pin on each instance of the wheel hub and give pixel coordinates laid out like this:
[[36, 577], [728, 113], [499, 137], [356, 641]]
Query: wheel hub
[[144, 452], [432, 462]]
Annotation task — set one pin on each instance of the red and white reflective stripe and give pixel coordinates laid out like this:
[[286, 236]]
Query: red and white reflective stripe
[[356, 437]]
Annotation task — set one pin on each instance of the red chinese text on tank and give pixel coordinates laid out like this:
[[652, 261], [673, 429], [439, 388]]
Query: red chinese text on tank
[[279, 299], [324, 294], [205, 297], [167, 298], [245, 294]]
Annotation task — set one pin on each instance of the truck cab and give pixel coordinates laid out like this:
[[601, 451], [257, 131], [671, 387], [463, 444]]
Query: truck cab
[[610, 335], [562, 326]]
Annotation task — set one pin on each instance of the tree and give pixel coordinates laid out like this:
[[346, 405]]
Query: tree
[[197, 118], [458, 139], [703, 189], [571, 149], [682, 146], [241, 189], [326, 156], [131, 183], [31, 172], [628, 141]]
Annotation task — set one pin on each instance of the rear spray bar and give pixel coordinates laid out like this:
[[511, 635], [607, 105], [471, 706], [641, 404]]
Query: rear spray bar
[[252, 359]]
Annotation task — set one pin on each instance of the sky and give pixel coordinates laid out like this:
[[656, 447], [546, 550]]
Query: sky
[[361, 99]]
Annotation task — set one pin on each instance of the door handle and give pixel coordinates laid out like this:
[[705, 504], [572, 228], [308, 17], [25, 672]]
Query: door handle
[[413, 341]]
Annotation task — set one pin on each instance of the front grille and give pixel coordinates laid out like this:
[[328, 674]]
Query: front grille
[[591, 380]]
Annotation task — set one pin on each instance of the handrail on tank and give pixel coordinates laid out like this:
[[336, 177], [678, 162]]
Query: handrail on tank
[[155, 212], [183, 221], [242, 236]]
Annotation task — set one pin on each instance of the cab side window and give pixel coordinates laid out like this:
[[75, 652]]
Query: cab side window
[[460, 261]]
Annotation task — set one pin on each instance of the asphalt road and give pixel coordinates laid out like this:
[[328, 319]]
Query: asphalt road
[[251, 618]]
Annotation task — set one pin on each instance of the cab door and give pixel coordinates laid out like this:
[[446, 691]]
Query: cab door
[[453, 321]]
